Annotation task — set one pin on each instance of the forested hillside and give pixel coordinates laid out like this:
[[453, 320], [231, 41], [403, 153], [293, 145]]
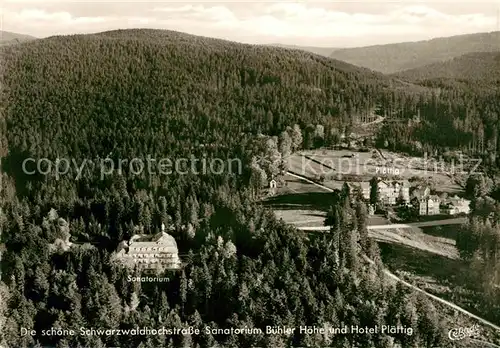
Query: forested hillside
[[478, 66], [478, 242], [7, 38], [322, 51], [198, 87], [460, 115], [139, 93], [398, 57]]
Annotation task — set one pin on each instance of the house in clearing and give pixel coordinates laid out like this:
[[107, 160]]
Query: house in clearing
[[150, 252]]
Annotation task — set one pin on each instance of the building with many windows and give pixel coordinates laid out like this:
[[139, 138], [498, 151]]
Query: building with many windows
[[429, 205], [150, 252], [391, 191]]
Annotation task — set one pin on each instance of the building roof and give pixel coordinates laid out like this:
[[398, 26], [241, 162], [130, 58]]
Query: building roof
[[363, 184], [382, 184], [455, 200], [434, 198], [170, 253], [420, 192], [394, 183], [161, 239]]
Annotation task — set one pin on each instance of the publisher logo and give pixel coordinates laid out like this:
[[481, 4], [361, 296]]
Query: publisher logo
[[463, 332]]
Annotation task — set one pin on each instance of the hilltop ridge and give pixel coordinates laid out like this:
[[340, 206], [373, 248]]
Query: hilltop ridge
[[7, 37], [476, 66], [402, 56], [322, 51]]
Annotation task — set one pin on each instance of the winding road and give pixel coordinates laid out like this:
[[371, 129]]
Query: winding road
[[392, 275], [457, 221]]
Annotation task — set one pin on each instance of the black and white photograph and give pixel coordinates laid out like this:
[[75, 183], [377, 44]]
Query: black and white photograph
[[249, 174]]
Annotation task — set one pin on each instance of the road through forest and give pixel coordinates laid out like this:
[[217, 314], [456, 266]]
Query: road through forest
[[395, 277], [457, 221]]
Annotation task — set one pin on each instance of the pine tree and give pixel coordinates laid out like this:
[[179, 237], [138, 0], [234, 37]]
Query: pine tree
[[374, 191], [296, 138]]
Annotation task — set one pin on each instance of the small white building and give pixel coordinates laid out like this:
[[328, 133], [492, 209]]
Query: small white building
[[371, 209], [449, 209], [272, 184], [272, 187]]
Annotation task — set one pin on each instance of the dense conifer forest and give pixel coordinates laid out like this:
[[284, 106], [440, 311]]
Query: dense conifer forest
[[401, 56], [476, 66], [138, 93], [478, 243]]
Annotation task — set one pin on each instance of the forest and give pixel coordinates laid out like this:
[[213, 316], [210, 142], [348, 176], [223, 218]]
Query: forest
[[138, 93], [478, 243]]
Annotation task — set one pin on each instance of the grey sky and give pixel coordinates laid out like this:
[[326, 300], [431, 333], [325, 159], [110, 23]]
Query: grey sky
[[327, 23]]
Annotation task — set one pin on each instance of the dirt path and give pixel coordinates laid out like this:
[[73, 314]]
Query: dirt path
[[310, 181], [449, 304], [457, 221]]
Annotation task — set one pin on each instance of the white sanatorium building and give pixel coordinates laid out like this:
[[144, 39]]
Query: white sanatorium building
[[150, 252]]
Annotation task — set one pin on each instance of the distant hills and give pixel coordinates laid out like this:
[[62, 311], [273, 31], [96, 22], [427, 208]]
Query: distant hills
[[484, 66], [7, 38], [398, 57], [322, 51]]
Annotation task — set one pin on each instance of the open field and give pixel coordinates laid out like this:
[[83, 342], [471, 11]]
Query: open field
[[364, 165], [412, 237], [308, 209], [302, 217], [415, 238], [431, 262], [331, 163], [441, 284], [299, 201], [424, 167], [297, 186], [315, 218]]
